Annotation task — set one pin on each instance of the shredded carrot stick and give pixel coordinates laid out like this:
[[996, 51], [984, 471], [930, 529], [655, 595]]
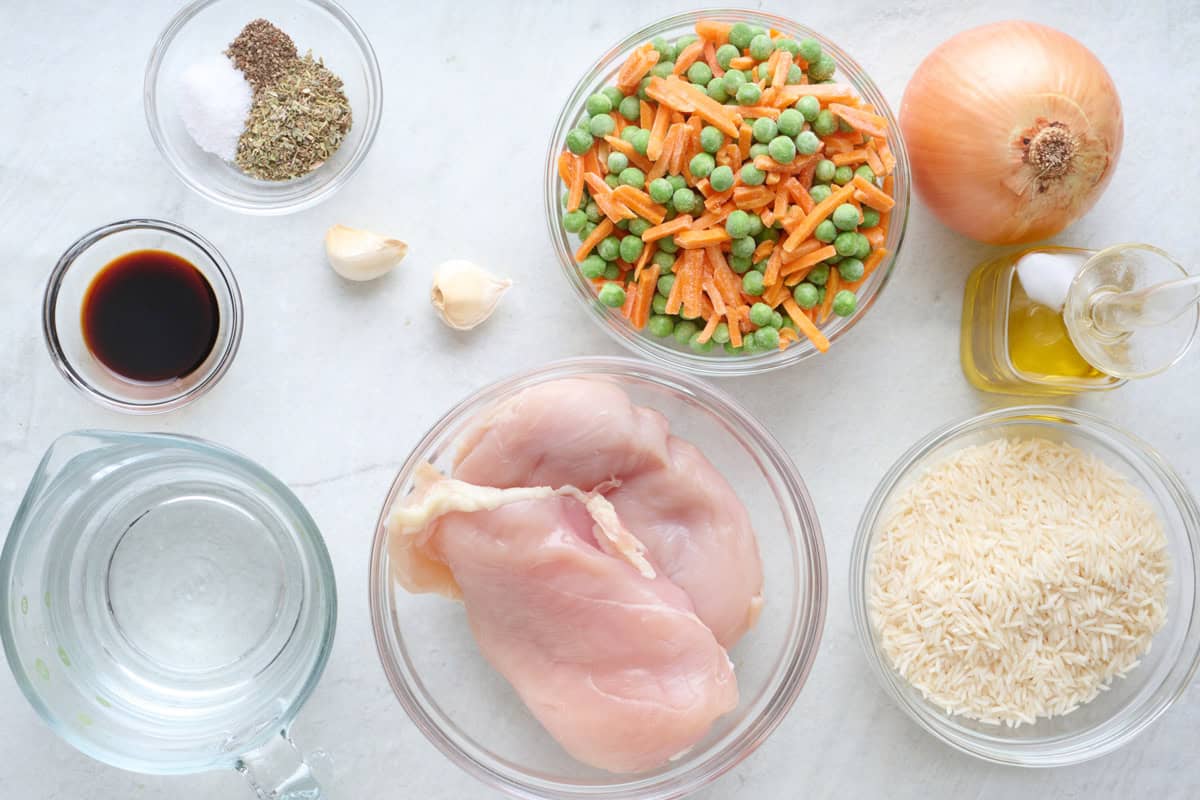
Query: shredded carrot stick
[[810, 260], [831, 289], [635, 68], [781, 205], [741, 62], [804, 248], [658, 133], [779, 72], [714, 296], [690, 240], [865, 121], [640, 203], [675, 296], [688, 56], [591, 162], [628, 150], [647, 253], [873, 160], [712, 31], [710, 58], [748, 197], [873, 195], [631, 293], [858, 156], [666, 229], [709, 328], [755, 112], [594, 238], [786, 337], [570, 169], [686, 96], [768, 164], [762, 251], [602, 193], [822, 210], [767, 216], [645, 114], [745, 138], [771, 276], [805, 325], [824, 92], [646, 285]]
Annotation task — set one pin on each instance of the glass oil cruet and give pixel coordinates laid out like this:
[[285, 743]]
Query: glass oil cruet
[[1127, 311]]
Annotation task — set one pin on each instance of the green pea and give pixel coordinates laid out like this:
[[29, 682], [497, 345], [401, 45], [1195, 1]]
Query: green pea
[[745, 246], [663, 68], [844, 303], [682, 42], [716, 90], [664, 285], [612, 295], [711, 139], [612, 180], [614, 96], [846, 244], [740, 35], [733, 80], [731, 350], [866, 173], [611, 272], [767, 338], [843, 175], [699, 346], [761, 47], [760, 314], [658, 304], [660, 325], [870, 218], [609, 248], [617, 161], [700, 73], [592, 266], [819, 192], [661, 190], [826, 231], [643, 84], [782, 149], [752, 175], [834, 260], [573, 221], [587, 230], [677, 182], [759, 149], [748, 94], [725, 54], [825, 124], [864, 246], [668, 245], [819, 275], [640, 141], [638, 226], [776, 320], [764, 129], [630, 108], [810, 50], [598, 103], [805, 295], [825, 170], [845, 217], [632, 176], [628, 132], [851, 269], [756, 225], [791, 122], [752, 283], [795, 75], [721, 178], [685, 330], [737, 224], [701, 165], [579, 141], [666, 50], [767, 234], [807, 143], [821, 294], [790, 45], [631, 248], [740, 264], [684, 200], [823, 68], [665, 262], [809, 107]]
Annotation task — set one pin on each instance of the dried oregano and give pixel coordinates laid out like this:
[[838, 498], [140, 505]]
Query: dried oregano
[[296, 123]]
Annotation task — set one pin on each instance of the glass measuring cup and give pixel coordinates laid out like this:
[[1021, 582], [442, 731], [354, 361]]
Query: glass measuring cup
[[168, 607]]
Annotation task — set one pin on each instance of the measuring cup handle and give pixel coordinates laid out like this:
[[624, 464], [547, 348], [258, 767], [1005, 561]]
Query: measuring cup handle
[[277, 771]]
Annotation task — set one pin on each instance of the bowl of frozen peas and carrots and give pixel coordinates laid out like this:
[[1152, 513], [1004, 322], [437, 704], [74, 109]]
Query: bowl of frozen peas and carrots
[[727, 192]]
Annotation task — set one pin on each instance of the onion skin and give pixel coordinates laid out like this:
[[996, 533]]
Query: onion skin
[[974, 106]]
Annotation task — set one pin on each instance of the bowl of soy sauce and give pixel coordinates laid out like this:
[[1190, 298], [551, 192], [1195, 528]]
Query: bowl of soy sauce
[[142, 315]]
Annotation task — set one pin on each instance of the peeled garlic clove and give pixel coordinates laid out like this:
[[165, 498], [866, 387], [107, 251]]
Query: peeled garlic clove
[[359, 255], [464, 294]]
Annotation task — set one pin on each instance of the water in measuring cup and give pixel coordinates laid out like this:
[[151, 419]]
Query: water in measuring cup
[[185, 609]]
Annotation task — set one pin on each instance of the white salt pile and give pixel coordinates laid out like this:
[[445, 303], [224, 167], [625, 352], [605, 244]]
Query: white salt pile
[[214, 101]]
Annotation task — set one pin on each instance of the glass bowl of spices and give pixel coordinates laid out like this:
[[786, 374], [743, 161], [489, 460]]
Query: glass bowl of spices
[[264, 111], [142, 315]]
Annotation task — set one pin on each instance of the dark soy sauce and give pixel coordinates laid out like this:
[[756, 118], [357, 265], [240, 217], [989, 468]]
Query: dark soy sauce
[[150, 316]]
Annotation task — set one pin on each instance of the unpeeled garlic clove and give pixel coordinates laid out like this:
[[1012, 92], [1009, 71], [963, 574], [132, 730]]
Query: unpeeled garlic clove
[[359, 255], [464, 295]]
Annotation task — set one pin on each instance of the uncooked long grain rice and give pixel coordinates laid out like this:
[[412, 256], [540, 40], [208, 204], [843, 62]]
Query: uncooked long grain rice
[[1017, 579]]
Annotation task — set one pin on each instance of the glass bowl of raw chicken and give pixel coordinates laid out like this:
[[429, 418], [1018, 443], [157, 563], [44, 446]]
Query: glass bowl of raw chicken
[[597, 579]]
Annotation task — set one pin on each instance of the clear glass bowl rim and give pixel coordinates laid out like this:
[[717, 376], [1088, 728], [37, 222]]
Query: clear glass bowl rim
[[805, 628], [322, 568], [319, 191], [1070, 750], [50, 305], [640, 342]]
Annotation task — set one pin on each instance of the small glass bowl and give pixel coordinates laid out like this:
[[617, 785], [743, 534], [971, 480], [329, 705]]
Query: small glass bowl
[[1132, 703], [63, 304], [475, 718], [204, 29], [666, 351]]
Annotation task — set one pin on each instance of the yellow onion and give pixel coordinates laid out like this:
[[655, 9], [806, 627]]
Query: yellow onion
[[1013, 130]]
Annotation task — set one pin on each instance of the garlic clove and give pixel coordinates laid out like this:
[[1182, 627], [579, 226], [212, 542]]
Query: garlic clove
[[464, 295], [359, 255]]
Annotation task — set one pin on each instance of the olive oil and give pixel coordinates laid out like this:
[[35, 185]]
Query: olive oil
[[1013, 345]]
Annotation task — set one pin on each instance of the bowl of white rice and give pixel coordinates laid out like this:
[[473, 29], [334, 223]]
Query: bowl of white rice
[[1025, 585]]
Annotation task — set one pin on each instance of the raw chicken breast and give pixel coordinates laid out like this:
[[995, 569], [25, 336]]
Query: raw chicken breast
[[615, 665], [572, 431], [698, 533], [582, 432]]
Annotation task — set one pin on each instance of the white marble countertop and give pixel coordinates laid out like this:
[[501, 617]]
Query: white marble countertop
[[334, 382]]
